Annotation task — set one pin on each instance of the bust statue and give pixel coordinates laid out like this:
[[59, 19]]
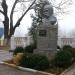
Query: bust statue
[[47, 15], [46, 12]]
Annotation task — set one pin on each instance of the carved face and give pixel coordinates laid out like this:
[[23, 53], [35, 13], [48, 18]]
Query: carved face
[[47, 11]]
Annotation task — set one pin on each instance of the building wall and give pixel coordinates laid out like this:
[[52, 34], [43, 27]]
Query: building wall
[[66, 41]]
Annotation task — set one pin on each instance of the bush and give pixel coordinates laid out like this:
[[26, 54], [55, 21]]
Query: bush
[[63, 59], [66, 47], [72, 51], [30, 48], [35, 61], [18, 50]]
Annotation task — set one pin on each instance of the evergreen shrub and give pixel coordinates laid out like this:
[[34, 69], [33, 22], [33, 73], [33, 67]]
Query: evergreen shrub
[[18, 50], [30, 48], [35, 61], [63, 59]]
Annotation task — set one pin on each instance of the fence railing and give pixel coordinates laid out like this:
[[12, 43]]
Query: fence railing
[[20, 42]]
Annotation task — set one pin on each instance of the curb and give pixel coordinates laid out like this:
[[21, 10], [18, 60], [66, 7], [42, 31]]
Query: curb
[[36, 72]]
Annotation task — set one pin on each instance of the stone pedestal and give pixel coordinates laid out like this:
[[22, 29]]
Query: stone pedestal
[[47, 40]]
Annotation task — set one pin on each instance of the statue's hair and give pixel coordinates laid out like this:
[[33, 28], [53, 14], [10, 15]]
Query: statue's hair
[[45, 1]]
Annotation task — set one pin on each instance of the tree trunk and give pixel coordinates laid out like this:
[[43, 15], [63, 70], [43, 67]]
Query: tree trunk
[[8, 32]]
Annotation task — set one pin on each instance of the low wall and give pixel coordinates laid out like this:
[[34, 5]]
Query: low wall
[[7, 69], [20, 41]]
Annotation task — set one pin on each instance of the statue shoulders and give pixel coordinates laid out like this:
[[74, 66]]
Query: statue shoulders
[[51, 20]]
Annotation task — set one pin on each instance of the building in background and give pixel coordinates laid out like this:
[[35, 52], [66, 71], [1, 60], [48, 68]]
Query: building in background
[[66, 41]]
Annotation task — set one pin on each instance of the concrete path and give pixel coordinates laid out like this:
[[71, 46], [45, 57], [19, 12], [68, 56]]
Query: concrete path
[[70, 70], [7, 70], [4, 55]]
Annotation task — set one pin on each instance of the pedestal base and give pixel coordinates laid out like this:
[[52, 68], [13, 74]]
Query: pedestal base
[[49, 53]]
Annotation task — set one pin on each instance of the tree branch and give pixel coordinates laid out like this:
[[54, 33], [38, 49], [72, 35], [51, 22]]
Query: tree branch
[[6, 19], [11, 15], [18, 22], [2, 12]]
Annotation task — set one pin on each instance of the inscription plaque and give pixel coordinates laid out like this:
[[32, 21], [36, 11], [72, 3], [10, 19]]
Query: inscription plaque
[[42, 33]]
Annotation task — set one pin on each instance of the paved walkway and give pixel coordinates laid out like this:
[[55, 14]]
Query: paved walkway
[[7, 70], [69, 71], [4, 55]]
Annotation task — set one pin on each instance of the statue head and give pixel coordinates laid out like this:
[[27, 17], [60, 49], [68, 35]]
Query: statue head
[[47, 11], [43, 8]]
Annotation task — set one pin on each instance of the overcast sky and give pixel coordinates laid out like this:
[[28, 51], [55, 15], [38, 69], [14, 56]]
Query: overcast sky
[[66, 23]]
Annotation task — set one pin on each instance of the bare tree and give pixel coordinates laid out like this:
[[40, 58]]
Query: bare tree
[[61, 6], [9, 28]]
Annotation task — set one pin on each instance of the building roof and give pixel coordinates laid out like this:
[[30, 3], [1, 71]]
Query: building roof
[[1, 32]]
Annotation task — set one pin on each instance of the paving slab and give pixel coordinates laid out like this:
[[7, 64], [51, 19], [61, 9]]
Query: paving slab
[[7, 70]]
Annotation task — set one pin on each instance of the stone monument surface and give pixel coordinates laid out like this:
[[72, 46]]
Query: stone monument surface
[[47, 31]]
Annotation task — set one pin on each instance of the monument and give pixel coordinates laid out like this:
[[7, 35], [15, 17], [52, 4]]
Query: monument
[[47, 30]]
